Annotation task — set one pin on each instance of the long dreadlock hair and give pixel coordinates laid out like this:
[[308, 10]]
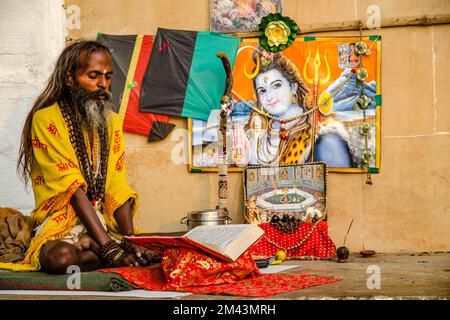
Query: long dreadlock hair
[[69, 63]]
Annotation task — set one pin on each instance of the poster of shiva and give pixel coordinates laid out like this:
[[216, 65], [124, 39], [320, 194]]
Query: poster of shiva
[[299, 191], [317, 100]]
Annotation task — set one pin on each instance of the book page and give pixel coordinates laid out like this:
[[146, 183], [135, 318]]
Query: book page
[[219, 236]]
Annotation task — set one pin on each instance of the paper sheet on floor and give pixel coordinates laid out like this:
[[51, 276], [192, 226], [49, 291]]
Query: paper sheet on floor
[[126, 294], [277, 268]]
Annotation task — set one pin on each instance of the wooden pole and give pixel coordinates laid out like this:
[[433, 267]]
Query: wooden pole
[[425, 20], [222, 166]]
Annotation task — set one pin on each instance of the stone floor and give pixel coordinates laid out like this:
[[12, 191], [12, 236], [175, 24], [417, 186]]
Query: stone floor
[[402, 276]]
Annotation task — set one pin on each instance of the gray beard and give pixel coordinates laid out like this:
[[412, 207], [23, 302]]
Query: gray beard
[[93, 114], [97, 114]]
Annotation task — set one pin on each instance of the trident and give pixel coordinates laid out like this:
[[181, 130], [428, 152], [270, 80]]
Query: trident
[[315, 81]]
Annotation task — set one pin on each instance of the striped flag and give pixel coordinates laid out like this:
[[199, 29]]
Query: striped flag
[[130, 58], [184, 76]]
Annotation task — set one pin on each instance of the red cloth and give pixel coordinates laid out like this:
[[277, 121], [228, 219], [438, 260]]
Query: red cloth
[[186, 267], [318, 245], [263, 285], [239, 278]]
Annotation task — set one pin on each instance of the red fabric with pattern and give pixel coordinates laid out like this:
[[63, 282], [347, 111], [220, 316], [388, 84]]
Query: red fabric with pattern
[[318, 245], [263, 285], [254, 285], [186, 267]]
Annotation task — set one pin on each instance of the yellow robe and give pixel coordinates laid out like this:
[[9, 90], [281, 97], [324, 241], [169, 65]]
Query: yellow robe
[[56, 175]]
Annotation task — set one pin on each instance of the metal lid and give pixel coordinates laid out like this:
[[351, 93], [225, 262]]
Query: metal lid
[[210, 214]]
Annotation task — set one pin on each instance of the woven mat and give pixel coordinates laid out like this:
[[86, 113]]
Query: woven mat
[[89, 281]]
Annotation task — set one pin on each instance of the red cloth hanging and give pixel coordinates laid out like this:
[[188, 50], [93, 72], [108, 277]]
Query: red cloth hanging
[[318, 244]]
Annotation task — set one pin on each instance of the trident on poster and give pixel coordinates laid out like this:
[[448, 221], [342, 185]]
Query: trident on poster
[[315, 81]]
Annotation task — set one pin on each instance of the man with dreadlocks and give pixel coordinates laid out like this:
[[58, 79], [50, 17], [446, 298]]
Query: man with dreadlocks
[[72, 151]]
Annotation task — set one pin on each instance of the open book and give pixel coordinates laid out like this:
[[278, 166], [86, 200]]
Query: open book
[[226, 242]]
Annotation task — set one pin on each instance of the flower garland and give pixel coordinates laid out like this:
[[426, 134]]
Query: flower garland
[[278, 32], [363, 103]]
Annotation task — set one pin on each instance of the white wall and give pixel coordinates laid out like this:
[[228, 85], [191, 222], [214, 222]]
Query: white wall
[[32, 34]]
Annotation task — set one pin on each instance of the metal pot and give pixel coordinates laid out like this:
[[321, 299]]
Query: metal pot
[[211, 217]]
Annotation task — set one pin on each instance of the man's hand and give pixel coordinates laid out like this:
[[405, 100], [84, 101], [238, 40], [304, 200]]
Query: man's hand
[[141, 257], [87, 243], [145, 256], [127, 260]]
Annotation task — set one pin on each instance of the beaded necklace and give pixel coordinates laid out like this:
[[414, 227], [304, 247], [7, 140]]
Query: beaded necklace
[[283, 134], [363, 103], [96, 179], [295, 246], [284, 143]]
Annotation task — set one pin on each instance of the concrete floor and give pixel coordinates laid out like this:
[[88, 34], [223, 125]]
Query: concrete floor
[[402, 276]]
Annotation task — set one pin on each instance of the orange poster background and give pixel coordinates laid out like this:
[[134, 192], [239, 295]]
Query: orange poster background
[[298, 54]]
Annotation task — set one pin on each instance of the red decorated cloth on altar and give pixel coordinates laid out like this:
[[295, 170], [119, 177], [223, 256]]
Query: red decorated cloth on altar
[[310, 241], [255, 285], [264, 285], [186, 267], [187, 270]]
